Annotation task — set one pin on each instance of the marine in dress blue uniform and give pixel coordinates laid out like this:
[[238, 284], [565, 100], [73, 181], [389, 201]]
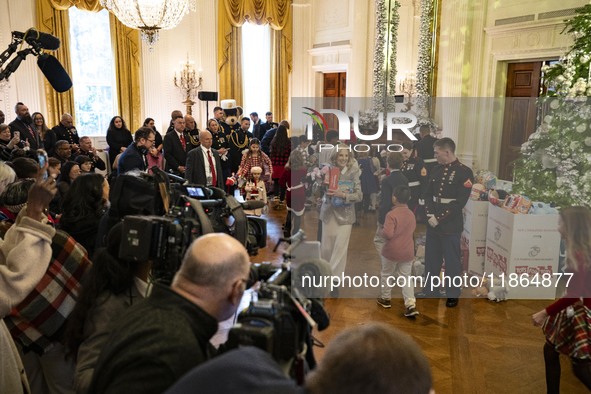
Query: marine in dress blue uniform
[[447, 192]]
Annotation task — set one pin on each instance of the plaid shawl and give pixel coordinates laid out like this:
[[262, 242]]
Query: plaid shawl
[[40, 318]]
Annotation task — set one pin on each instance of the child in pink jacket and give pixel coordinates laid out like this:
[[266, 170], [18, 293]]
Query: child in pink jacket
[[399, 252]]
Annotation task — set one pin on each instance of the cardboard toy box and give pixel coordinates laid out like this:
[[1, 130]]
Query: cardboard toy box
[[473, 240], [525, 246]]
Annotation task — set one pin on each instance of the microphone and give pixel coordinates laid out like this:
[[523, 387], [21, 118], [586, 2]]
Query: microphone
[[37, 38], [253, 204], [54, 72]]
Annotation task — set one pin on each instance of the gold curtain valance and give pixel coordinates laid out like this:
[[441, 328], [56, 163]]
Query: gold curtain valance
[[261, 12], [85, 5]]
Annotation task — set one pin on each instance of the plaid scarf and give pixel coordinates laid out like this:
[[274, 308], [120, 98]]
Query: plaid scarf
[[40, 318]]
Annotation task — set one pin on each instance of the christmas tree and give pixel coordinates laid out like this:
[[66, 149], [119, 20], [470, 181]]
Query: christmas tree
[[555, 163]]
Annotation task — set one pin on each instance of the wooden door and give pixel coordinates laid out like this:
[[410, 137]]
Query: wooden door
[[523, 88], [335, 91]]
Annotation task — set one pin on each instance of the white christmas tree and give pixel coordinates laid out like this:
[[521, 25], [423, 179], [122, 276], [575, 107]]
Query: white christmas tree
[[555, 165]]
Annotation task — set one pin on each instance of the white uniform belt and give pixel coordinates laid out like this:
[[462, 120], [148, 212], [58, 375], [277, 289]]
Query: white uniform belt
[[295, 187], [443, 200], [413, 184], [429, 160]]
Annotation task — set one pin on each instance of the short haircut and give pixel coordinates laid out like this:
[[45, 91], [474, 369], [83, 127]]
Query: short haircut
[[244, 118], [59, 143], [331, 135], [425, 129], [3, 127], [254, 114], [446, 143], [25, 167], [16, 106], [53, 162], [204, 266], [84, 138], [402, 193], [216, 109], [143, 132], [176, 114], [407, 145], [304, 138], [268, 113], [395, 160], [371, 358]]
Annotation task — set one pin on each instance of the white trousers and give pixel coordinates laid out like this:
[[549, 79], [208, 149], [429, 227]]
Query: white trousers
[[335, 244], [394, 273]]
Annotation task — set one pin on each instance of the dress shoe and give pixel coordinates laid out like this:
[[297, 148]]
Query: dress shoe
[[451, 302]]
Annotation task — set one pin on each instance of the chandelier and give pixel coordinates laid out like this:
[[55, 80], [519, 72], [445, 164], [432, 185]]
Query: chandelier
[[189, 82], [150, 16]]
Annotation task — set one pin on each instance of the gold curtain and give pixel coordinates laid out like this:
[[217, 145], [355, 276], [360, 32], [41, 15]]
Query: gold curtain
[[126, 46], [231, 15], [52, 17]]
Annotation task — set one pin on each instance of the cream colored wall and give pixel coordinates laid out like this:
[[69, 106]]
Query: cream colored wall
[[195, 36], [26, 84], [473, 57]]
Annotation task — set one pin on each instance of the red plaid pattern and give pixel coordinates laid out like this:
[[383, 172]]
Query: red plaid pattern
[[249, 161], [570, 335], [39, 319]]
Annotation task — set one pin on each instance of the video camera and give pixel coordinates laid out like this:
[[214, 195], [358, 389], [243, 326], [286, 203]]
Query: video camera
[[280, 318], [197, 210]]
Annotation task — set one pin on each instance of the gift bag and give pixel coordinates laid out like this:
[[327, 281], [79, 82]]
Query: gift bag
[[570, 331]]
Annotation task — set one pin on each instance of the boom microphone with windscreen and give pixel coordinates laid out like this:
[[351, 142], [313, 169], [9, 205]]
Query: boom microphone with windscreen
[[34, 38], [54, 72]]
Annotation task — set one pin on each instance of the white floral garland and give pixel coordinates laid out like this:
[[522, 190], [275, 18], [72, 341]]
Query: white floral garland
[[385, 51], [424, 66]]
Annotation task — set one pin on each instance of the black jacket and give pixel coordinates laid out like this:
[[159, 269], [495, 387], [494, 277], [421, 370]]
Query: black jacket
[[195, 169], [27, 134], [154, 344], [131, 159], [388, 184], [174, 154]]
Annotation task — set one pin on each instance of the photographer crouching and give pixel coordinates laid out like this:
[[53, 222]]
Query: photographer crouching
[[161, 339]]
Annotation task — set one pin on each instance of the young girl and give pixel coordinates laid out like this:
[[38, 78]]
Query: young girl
[[566, 322], [254, 157], [293, 179], [255, 190], [85, 164]]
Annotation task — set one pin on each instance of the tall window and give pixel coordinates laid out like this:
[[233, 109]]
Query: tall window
[[93, 71], [256, 69]]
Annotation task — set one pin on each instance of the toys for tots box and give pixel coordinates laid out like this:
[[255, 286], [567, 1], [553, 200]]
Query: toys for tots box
[[473, 240], [523, 244]]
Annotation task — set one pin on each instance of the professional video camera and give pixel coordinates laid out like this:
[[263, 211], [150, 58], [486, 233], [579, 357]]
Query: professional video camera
[[195, 211], [280, 318]]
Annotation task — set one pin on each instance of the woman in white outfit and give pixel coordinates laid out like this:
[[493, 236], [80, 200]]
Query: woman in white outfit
[[337, 212]]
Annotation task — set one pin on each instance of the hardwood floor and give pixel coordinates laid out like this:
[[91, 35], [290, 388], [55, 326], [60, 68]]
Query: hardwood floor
[[478, 347]]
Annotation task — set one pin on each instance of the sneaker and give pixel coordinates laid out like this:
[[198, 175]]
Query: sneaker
[[411, 311], [384, 303]]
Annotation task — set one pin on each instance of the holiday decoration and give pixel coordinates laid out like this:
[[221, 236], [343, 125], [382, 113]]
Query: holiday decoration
[[555, 165]]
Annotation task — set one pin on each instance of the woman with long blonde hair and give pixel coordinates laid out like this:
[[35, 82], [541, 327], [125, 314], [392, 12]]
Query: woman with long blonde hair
[[567, 322]]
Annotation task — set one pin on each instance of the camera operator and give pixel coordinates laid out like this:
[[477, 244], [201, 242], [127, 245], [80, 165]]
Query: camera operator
[[168, 334], [134, 157]]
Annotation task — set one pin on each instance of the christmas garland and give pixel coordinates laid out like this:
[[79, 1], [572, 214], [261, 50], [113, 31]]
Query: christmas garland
[[424, 66], [384, 59]]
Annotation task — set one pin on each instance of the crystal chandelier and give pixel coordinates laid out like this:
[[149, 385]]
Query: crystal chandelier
[[150, 16]]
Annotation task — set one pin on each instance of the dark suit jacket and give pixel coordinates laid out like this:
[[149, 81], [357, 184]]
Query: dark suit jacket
[[174, 154], [26, 134], [388, 184], [195, 171], [131, 159]]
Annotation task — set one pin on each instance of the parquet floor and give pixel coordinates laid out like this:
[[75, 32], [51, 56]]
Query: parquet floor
[[477, 347]]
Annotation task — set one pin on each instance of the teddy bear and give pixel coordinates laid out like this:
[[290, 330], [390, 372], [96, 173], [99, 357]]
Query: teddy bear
[[232, 115]]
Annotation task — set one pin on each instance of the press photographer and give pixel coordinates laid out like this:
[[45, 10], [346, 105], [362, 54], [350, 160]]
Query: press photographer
[[161, 339]]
